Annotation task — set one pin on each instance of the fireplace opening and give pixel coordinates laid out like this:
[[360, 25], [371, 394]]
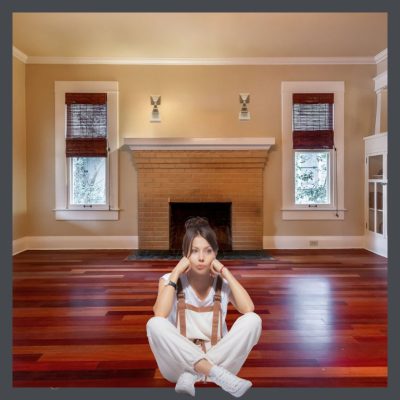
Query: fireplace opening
[[219, 215]]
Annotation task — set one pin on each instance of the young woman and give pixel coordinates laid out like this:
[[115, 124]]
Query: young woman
[[188, 334]]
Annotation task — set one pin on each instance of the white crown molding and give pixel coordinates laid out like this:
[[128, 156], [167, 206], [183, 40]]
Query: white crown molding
[[204, 61], [240, 143], [201, 61], [382, 56], [74, 242], [20, 55]]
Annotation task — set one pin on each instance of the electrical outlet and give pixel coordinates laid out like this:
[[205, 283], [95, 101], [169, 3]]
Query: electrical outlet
[[313, 243]]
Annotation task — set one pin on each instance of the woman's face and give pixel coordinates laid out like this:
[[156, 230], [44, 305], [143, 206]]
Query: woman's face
[[202, 254]]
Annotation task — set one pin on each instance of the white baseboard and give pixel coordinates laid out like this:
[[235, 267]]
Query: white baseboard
[[313, 242], [132, 242], [20, 245], [376, 243], [74, 242]]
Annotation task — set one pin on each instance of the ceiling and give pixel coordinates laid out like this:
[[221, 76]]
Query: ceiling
[[200, 35]]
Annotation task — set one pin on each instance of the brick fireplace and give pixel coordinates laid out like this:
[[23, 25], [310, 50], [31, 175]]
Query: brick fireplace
[[200, 171]]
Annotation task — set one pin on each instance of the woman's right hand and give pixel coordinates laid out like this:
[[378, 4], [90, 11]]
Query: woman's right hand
[[165, 297], [183, 266]]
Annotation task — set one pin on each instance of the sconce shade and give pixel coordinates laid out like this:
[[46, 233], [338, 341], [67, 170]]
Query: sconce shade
[[155, 100], [244, 99]]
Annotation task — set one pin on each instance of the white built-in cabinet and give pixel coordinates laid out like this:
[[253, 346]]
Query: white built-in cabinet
[[376, 183], [376, 193]]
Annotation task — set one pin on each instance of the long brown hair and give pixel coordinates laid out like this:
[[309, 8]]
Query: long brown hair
[[196, 226]]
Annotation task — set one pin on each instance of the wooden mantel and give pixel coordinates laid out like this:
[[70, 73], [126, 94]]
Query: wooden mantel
[[240, 143]]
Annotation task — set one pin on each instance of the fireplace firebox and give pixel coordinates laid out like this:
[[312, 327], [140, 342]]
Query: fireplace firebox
[[218, 214]]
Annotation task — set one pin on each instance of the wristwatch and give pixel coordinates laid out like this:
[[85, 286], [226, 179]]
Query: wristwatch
[[173, 284]]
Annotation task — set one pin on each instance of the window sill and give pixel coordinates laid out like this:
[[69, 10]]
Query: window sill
[[86, 215], [312, 214]]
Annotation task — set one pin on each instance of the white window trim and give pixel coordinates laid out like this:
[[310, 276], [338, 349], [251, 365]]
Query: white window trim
[[291, 211], [62, 212]]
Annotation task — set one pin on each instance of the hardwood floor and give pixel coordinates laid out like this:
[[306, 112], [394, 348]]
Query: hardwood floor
[[79, 319]]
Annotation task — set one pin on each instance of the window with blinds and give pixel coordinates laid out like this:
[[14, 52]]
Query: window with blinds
[[86, 134], [86, 149], [312, 119]]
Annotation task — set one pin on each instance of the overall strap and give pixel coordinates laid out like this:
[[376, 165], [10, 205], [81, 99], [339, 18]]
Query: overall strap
[[181, 308], [216, 312]]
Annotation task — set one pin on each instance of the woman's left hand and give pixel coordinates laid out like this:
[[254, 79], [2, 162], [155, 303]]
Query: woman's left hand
[[216, 267]]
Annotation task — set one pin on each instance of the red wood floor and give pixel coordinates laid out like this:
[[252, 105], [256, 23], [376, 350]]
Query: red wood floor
[[79, 319]]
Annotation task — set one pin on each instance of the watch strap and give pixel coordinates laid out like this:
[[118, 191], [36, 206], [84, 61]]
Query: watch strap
[[173, 284]]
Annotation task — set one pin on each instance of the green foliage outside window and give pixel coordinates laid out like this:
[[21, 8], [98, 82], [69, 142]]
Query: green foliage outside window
[[311, 177], [88, 180]]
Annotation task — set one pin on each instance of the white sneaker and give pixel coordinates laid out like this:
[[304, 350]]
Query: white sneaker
[[185, 383], [229, 382]]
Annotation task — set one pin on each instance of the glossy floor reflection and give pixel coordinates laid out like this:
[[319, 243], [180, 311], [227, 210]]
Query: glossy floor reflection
[[79, 319]]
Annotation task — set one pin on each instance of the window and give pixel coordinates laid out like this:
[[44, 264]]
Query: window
[[312, 173], [312, 150], [86, 150], [88, 186]]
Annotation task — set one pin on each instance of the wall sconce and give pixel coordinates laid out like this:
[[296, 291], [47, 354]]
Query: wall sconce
[[155, 113], [244, 113]]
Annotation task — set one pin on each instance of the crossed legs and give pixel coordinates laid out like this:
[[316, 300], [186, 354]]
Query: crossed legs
[[176, 354]]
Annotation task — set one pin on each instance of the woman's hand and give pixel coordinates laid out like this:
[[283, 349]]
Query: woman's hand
[[166, 295], [216, 267], [183, 266]]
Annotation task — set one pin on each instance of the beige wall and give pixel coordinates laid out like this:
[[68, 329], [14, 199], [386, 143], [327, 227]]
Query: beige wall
[[20, 222], [196, 102]]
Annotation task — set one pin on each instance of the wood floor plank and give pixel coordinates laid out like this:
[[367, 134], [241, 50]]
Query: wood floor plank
[[311, 372], [79, 319]]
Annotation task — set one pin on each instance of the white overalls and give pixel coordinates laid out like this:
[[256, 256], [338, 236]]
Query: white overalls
[[178, 346]]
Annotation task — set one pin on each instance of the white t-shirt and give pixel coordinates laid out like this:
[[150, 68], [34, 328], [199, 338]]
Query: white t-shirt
[[191, 298]]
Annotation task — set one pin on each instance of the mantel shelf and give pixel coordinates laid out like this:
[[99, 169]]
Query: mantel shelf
[[242, 143]]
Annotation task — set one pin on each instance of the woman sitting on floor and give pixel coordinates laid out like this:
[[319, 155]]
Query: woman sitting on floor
[[188, 334]]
